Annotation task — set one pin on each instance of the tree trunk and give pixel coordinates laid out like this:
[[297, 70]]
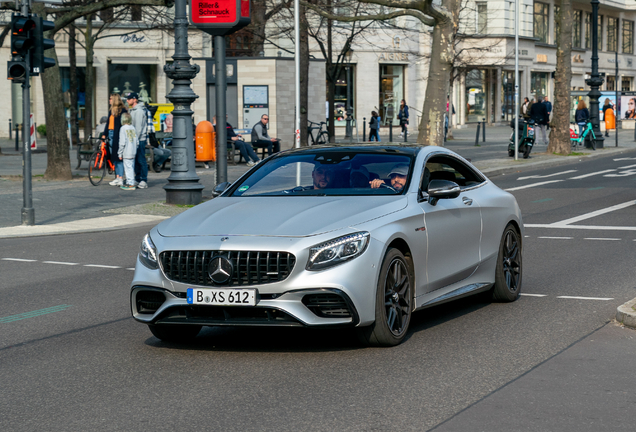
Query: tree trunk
[[72, 88], [257, 26], [560, 125], [431, 129], [304, 75], [331, 79], [90, 84], [58, 163]]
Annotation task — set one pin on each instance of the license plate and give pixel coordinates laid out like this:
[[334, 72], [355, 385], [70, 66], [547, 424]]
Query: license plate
[[221, 297]]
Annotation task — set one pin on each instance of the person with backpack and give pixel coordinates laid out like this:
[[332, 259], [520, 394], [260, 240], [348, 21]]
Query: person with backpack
[[139, 114], [374, 126]]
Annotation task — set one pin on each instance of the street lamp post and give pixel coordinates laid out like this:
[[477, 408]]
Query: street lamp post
[[595, 81], [183, 183]]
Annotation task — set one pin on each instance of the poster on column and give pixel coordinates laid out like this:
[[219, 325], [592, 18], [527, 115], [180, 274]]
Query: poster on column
[[627, 108], [608, 97]]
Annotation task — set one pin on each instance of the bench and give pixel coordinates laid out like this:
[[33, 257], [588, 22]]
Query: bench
[[86, 149]]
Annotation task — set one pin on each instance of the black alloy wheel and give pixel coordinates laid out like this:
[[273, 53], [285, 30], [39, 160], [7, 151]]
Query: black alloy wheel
[[394, 302], [509, 267]]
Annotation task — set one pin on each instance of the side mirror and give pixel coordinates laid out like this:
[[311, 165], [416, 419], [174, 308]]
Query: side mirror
[[442, 189], [220, 188]]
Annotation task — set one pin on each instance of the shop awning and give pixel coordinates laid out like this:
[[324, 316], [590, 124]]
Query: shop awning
[[63, 61], [134, 60]]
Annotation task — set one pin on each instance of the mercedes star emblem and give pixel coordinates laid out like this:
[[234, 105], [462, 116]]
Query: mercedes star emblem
[[220, 269]]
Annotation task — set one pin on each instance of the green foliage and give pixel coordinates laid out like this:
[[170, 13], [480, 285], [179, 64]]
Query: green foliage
[[42, 129]]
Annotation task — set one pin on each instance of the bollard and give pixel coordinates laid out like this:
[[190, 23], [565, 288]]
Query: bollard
[[364, 129], [483, 131], [391, 131], [477, 136], [10, 136], [17, 139]]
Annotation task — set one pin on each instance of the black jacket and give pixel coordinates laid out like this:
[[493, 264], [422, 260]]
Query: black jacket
[[539, 113]]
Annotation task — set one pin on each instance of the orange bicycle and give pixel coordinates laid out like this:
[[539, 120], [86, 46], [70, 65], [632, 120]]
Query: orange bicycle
[[98, 163]]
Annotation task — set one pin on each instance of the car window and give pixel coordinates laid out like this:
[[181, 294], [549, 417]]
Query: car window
[[323, 173], [449, 168]]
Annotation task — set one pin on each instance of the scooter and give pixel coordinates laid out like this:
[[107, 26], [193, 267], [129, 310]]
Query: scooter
[[526, 138]]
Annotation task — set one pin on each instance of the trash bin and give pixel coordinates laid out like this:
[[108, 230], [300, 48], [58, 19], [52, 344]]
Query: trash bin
[[205, 142]]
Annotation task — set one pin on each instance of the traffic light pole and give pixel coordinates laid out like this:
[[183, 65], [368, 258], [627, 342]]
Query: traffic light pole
[[28, 212]]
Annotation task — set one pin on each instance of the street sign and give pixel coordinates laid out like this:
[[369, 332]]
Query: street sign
[[220, 17]]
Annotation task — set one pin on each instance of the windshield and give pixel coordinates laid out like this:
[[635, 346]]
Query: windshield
[[329, 174]]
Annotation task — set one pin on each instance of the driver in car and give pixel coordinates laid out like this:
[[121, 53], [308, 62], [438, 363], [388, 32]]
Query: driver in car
[[321, 176], [397, 178]]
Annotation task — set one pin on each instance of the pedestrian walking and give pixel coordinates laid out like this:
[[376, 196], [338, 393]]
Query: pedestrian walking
[[539, 113], [548, 106], [117, 108], [403, 116], [374, 127], [128, 145], [139, 114], [608, 116]]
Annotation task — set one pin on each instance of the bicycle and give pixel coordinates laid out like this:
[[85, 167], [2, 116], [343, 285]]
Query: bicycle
[[97, 164], [577, 141], [323, 135]]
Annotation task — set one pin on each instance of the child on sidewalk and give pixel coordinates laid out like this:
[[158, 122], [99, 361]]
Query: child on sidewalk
[[128, 143]]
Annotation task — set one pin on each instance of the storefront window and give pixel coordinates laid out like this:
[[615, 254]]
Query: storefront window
[[539, 84], [344, 95], [391, 93], [508, 95], [139, 78], [475, 95], [81, 91]]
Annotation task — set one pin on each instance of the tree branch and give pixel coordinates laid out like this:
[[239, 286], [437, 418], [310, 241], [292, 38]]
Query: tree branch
[[378, 17]]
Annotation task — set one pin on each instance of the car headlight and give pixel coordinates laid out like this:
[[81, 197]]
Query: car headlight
[[337, 251], [148, 253]]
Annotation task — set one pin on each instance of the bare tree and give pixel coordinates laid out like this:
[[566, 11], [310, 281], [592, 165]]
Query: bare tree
[[560, 130]]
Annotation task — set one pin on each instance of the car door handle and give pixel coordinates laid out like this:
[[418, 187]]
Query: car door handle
[[467, 201]]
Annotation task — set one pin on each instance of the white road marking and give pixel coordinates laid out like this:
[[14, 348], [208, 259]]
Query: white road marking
[[533, 295], [582, 227], [59, 262], [19, 259], [595, 213], [556, 238], [586, 298], [601, 238], [592, 174], [130, 269], [625, 158], [533, 185], [101, 266], [628, 167], [546, 176]]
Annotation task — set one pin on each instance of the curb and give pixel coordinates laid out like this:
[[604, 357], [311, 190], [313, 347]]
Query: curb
[[626, 314]]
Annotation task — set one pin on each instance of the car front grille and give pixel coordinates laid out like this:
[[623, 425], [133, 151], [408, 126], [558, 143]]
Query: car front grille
[[249, 267]]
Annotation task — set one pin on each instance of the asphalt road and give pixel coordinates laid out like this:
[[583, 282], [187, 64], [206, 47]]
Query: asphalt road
[[72, 358]]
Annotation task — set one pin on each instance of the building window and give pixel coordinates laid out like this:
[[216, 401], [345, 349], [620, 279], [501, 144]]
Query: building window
[[391, 92], [576, 29], [541, 21], [588, 30], [539, 84], [626, 83], [482, 18], [106, 15], [139, 78], [612, 34], [628, 37], [345, 95], [557, 9], [610, 83], [135, 13]]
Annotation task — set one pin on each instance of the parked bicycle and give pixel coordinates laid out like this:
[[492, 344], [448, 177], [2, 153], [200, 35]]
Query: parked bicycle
[[98, 163], [322, 134], [577, 139]]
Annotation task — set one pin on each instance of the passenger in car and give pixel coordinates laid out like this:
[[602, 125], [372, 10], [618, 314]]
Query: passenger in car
[[397, 178], [322, 176]]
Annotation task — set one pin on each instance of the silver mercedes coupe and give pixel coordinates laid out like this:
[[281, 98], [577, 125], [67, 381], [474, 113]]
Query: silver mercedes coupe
[[332, 236]]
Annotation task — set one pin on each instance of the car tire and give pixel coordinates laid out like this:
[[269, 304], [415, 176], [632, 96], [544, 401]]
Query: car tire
[[526, 153], [511, 153], [393, 303], [177, 333], [509, 267]]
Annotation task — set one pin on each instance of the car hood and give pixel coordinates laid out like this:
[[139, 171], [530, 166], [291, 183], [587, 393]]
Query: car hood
[[279, 216]]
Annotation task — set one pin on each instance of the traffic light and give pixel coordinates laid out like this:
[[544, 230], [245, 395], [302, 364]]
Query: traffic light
[[38, 62], [21, 45]]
